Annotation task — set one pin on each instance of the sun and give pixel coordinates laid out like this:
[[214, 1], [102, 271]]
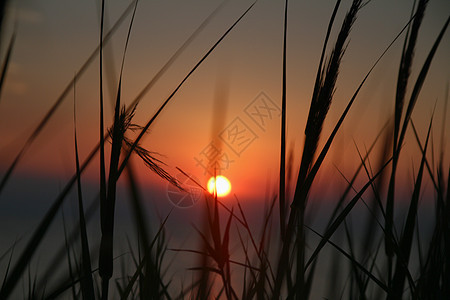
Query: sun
[[220, 184]]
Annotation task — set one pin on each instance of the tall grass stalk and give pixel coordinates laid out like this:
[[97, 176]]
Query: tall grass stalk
[[405, 244], [69, 259], [411, 104], [402, 83], [102, 167], [122, 121], [282, 264], [282, 189], [320, 103], [87, 286]]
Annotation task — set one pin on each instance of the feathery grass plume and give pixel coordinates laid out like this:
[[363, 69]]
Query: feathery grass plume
[[406, 62], [312, 173], [60, 99], [282, 189], [87, 286], [323, 94], [321, 157], [401, 269], [282, 265], [151, 161], [320, 103], [122, 121]]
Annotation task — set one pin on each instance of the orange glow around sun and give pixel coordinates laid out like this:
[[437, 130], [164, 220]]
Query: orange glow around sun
[[220, 184]]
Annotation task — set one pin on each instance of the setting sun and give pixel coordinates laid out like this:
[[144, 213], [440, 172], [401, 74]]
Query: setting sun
[[220, 184]]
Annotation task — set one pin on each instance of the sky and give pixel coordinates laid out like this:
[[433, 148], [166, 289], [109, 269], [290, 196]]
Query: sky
[[54, 38], [227, 111]]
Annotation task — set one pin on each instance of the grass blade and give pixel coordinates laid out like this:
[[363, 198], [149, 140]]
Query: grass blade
[[321, 157], [69, 259], [143, 263], [150, 287], [87, 285], [352, 259], [102, 129], [6, 62], [107, 206], [11, 249], [398, 280], [282, 189], [341, 217]]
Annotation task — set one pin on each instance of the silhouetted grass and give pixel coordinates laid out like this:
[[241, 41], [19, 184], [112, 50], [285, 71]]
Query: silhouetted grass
[[87, 286], [320, 103], [282, 189], [6, 61]]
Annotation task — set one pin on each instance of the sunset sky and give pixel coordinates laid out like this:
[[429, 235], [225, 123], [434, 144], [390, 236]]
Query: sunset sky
[[225, 118], [54, 38]]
